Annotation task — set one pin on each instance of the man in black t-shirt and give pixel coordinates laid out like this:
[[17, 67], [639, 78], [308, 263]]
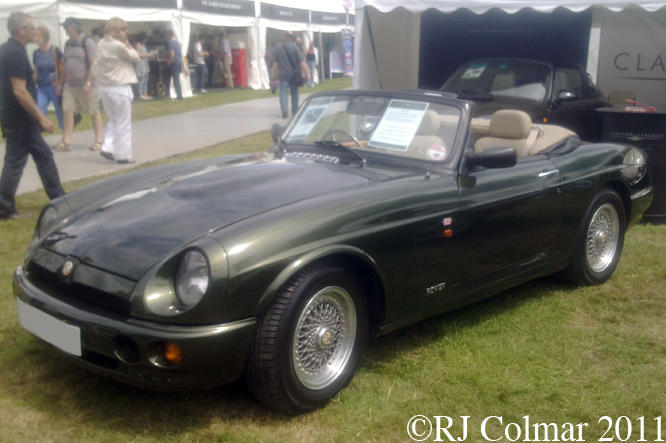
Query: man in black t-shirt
[[287, 60], [21, 120]]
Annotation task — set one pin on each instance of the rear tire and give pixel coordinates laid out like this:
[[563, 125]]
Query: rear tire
[[599, 245], [309, 341]]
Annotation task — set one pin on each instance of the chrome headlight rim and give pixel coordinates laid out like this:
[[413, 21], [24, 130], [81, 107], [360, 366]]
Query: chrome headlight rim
[[635, 162], [192, 278]]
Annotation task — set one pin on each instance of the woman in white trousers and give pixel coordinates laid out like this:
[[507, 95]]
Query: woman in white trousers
[[114, 71]]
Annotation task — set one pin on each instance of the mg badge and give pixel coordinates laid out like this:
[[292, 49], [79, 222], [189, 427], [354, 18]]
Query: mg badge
[[67, 268]]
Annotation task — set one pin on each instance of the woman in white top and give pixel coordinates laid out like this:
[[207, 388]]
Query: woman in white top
[[114, 71]]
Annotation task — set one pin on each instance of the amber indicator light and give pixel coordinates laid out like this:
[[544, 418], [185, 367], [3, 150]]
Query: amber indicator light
[[172, 353], [448, 233]]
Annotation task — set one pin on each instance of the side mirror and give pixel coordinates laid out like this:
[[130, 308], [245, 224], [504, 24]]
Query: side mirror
[[493, 158], [566, 96], [276, 132]]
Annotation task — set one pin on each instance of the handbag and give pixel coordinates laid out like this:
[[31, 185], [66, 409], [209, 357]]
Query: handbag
[[297, 79]]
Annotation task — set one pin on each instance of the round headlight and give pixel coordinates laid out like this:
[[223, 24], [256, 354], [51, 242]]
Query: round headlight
[[47, 220], [192, 277]]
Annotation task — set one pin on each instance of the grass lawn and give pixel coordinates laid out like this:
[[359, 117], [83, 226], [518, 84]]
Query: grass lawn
[[544, 350]]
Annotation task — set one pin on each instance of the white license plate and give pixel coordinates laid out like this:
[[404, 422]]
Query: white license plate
[[60, 334]]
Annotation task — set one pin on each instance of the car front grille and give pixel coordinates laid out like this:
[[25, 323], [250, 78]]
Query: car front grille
[[78, 295]]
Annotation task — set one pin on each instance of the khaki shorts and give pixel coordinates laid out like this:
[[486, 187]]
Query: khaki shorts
[[74, 100]]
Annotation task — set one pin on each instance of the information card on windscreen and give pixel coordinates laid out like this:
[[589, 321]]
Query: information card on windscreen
[[311, 117], [399, 125]]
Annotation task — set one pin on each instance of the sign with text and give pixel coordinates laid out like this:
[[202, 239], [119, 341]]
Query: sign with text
[[243, 8], [285, 14], [160, 4], [398, 125], [632, 55], [328, 18]]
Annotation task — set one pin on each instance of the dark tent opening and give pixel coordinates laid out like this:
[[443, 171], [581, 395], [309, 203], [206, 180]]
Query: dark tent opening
[[449, 40]]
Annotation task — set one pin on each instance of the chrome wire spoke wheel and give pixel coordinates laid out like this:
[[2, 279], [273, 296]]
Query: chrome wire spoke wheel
[[602, 238], [324, 337]]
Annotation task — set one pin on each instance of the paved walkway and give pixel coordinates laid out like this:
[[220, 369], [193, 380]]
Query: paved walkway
[[160, 138]]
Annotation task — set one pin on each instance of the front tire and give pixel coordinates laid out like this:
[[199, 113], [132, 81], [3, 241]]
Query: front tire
[[309, 341], [599, 245]]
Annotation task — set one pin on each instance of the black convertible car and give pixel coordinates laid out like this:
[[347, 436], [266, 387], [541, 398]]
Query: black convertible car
[[556, 93], [372, 211]]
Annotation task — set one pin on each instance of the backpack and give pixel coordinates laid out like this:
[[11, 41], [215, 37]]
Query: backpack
[[85, 50]]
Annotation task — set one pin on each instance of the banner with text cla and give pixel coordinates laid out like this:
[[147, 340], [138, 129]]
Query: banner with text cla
[[632, 54]]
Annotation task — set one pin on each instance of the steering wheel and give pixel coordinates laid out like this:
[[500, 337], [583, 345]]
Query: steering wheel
[[331, 133]]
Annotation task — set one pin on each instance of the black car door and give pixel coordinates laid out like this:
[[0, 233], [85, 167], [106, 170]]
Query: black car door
[[511, 217], [575, 112]]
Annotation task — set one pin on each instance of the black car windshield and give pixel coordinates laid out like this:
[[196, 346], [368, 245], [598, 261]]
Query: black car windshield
[[502, 78], [412, 128]]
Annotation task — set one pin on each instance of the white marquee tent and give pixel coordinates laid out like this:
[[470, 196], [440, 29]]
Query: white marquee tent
[[255, 16], [625, 40]]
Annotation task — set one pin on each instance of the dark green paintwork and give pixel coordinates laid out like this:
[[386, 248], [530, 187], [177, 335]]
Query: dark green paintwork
[[260, 218]]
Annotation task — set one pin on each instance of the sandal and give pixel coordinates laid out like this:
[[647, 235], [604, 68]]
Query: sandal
[[96, 146], [127, 161], [107, 155], [62, 146]]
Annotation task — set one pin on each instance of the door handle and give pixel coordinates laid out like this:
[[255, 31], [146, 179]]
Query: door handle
[[547, 174]]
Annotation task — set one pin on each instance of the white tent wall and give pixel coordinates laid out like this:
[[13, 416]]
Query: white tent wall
[[618, 27], [387, 59], [181, 29], [102, 13], [43, 13], [257, 77]]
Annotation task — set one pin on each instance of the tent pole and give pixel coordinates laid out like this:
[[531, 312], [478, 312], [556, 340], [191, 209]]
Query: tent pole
[[372, 44], [320, 62]]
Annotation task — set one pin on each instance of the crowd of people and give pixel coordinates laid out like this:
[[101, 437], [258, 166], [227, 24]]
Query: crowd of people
[[103, 69]]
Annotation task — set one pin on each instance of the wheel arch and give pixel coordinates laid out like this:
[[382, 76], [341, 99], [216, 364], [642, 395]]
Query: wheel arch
[[622, 190], [359, 263]]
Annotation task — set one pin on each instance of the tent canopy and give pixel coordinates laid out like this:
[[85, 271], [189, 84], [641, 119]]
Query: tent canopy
[[510, 6], [385, 58]]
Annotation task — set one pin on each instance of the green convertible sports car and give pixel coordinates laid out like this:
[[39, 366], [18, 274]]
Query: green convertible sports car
[[371, 211]]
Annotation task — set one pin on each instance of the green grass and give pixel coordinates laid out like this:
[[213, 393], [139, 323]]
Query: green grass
[[143, 110], [555, 353]]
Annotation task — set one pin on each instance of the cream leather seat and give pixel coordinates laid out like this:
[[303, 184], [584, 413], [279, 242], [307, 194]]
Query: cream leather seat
[[426, 136], [508, 127]]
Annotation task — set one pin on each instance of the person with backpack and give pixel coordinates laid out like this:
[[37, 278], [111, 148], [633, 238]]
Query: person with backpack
[[80, 87]]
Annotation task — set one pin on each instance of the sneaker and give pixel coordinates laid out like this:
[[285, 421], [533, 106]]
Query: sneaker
[[203, 91]]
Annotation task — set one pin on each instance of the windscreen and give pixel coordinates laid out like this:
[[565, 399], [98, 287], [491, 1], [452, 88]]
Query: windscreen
[[417, 129], [505, 78]]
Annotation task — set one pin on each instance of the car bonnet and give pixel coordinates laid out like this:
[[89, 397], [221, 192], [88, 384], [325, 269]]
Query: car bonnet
[[130, 231]]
